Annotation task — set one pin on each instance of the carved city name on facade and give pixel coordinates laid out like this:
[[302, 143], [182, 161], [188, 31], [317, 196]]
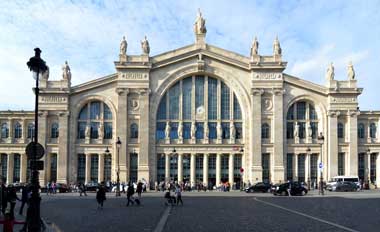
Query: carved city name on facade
[[134, 76], [53, 99], [343, 100], [267, 76]]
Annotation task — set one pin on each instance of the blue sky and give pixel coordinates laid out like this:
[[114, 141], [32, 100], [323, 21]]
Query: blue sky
[[87, 34]]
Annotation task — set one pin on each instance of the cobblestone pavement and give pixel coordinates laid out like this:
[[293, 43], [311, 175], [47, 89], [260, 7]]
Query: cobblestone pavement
[[216, 211]]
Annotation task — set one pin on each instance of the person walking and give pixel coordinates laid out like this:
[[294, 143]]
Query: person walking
[[130, 192], [24, 198], [178, 194], [101, 196], [82, 189], [289, 188], [139, 188], [12, 198]]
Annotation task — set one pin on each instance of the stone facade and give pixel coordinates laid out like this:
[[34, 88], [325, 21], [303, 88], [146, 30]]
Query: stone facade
[[286, 147]]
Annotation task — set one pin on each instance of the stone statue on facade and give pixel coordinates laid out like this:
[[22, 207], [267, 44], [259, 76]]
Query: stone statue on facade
[[351, 71], [167, 131], [232, 131], [66, 72], [206, 131], [309, 130], [100, 131], [330, 72], [45, 75], [255, 47], [145, 46], [87, 131], [296, 130], [193, 130], [219, 131], [276, 47], [200, 24], [123, 47], [180, 130]]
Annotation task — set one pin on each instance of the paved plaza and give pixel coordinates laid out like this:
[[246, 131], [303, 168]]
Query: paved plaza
[[217, 211]]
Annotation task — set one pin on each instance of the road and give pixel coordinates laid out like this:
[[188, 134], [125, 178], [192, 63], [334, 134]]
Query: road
[[235, 211]]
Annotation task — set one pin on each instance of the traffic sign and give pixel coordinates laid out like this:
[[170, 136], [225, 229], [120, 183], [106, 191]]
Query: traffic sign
[[320, 165], [32, 148]]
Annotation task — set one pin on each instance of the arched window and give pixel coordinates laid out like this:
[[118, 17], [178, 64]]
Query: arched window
[[340, 130], [265, 131], [361, 131], [372, 130], [96, 116], [302, 114], [54, 131], [30, 134], [134, 131], [4, 131], [18, 130], [203, 99]]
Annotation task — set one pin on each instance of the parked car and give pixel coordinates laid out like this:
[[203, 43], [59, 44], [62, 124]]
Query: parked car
[[345, 186], [331, 185], [62, 188], [296, 189], [259, 187], [92, 187]]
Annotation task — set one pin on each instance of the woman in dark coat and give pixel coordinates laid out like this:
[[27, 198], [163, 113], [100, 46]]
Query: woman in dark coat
[[101, 196]]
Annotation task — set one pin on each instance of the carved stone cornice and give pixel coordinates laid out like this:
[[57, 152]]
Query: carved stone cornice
[[43, 113], [143, 92], [63, 113], [278, 92], [353, 113], [333, 113], [257, 92], [121, 91]]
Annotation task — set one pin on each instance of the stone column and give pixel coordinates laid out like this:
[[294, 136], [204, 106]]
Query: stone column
[[42, 133], [101, 168], [378, 169], [180, 168], [295, 174], [255, 167], [307, 168], [352, 164], [11, 130], [63, 145], [48, 169], [218, 169], [332, 143], [278, 138], [143, 158], [369, 166], [231, 169], [205, 169], [192, 169], [23, 167], [10, 167], [88, 169], [167, 167], [121, 127]]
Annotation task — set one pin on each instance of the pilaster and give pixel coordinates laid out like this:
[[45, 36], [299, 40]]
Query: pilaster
[[167, 167], [88, 169], [10, 167], [278, 143], [255, 167], [205, 169], [231, 169], [192, 169], [122, 133], [352, 167], [332, 155], [42, 133], [218, 169], [63, 154], [23, 168], [180, 167], [143, 162], [101, 168]]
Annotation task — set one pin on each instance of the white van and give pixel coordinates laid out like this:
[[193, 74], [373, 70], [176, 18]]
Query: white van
[[332, 183]]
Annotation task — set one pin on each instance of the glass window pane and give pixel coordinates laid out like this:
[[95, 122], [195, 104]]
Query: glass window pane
[[81, 130], [174, 101], [95, 110], [94, 168], [186, 95], [289, 130], [302, 130], [186, 130], [212, 130], [4, 131], [83, 113], [53, 167], [361, 131], [199, 131], [160, 130], [340, 130], [212, 98], [239, 130], [161, 114], [54, 130], [81, 167], [18, 130], [108, 130], [160, 168], [290, 115], [289, 166], [199, 96], [107, 167], [225, 130], [301, 110], [225, 101], [237, 110], [312, 113], [174, 130], [94, 130], [373, 130], [134, 131], [314, 129], [16, 168], [30, 131], [107, 114]]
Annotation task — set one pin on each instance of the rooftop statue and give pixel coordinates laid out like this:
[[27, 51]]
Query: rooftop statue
[[276, 47], [330, 72], [123, 46], [255, 47], [200, 24], [145, 46], [66, 72], [351, 71]]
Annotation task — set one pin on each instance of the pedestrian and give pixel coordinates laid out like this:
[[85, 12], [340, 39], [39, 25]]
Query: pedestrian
[[9, 221], [289, 188], [3, 195], [24, 198], [48, 188], [139, 189], [82, 189], [54, 187], [101, 196], [12, 198], [130, 192], [178, 195]]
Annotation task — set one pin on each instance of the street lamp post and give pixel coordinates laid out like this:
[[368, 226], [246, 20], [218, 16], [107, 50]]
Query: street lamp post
[[241, 171], [308, 150], [33, 220], [321, 140], [368, 173], [118, 145]]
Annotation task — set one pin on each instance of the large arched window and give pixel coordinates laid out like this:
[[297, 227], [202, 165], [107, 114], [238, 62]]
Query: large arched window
[[18, 130], [95, 118], [54, 130], [134, 131], [361, 131], [265, 131], [30, 131], [204, 101], [301, 116], [340, 130], [372, 130], [4, 130]]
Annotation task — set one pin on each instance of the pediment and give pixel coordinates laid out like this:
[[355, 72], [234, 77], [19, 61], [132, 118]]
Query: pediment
[[304, 84], [94, 84]]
